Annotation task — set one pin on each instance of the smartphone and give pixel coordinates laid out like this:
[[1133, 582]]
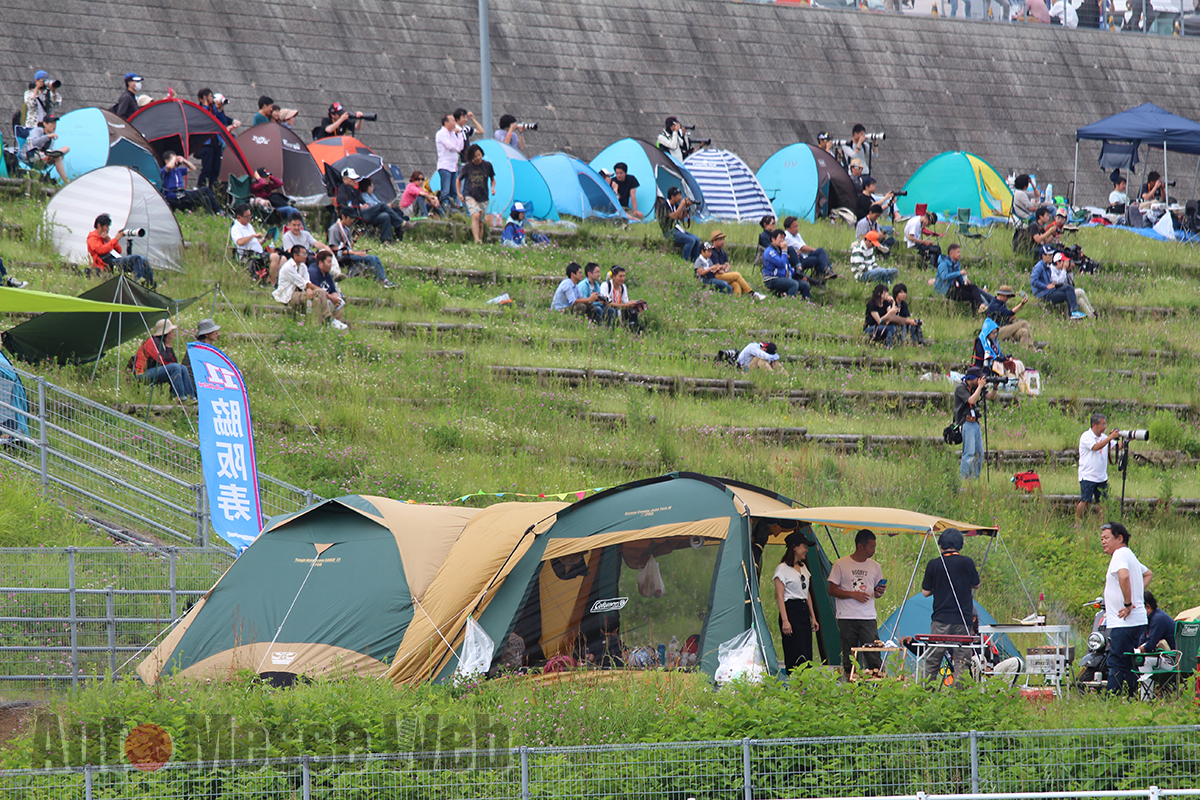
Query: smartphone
[[882, 584]]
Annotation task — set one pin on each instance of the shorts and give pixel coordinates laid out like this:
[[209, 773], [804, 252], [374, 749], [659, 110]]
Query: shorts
[[1090, 492], [474, 206]]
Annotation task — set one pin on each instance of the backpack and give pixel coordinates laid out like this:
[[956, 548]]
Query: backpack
[[1027, 481], [727, 357], [952, 434], [1022, 240]]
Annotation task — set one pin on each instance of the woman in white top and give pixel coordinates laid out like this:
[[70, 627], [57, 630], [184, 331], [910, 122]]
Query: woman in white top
[[797, 617]]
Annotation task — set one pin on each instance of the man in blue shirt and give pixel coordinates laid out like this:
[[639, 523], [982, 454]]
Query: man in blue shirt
[[589, 286], [566, 296], [174, 174], [1159, 626], [1047, 290], [951, 281], [320, 274], [777, 269]]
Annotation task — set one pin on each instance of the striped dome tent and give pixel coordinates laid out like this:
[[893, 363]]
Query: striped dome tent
[[730, 188]]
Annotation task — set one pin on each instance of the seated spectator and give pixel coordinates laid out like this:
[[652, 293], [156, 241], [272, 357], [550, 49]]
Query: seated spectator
[[400, 223], [720, 260], [1041, 230], [590, 285], [474, 177], [320, 275], [906, 325], [155, 361], [953, 284], [704, 270], [760, 355], [567, 297], [880, 322], [1118, 198], [1153, 190], [350, 199], [1009, 327], [674, 216], [207, 332], [863, 263], [626, 186], [295, 234], [101, 248], [249, 246], [341, 241], [806, 258], [866, 202], [174, 174], [39, 151], [987, 355], [8, 280], [295, 288], [616, 296], [1023, 198], [268, 189], [870, 223], [1047, 289], [777, 272], [1062, 270], [415, 200], [767, 226], [915, 238], [514, 230]]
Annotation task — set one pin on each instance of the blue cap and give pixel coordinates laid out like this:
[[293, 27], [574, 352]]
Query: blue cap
[[41, 75], [1048, 250], [132, 76]]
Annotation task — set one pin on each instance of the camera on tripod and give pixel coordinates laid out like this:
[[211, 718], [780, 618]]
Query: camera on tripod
[[134, 233]]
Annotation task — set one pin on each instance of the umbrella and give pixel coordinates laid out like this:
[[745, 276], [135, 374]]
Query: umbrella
[[283, 153], [26, 301], [332, 148], [369, 165]]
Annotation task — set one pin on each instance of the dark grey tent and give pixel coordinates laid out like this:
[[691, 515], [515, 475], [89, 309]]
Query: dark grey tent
[[75, 338]]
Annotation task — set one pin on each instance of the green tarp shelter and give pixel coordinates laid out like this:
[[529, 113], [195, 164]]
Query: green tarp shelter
[[327, 591], [80, 329]]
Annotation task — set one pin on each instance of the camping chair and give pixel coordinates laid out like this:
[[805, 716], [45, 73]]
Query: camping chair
[[238, 191], [963, 228], [1165, 675]]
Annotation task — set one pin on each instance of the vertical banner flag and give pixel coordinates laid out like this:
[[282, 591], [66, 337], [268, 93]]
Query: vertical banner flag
[[226, 446]]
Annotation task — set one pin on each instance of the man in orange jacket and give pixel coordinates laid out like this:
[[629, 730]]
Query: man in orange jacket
[[101, 248]]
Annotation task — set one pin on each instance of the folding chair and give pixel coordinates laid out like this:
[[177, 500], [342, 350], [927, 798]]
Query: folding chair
[[963, 228], [238, 192]]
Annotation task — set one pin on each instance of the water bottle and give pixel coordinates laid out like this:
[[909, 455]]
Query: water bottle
[[1041, 607]]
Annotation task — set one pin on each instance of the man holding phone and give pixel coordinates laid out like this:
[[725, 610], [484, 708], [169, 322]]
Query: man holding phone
[[855, 581]]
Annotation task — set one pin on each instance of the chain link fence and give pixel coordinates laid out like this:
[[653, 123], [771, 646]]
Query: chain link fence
[[123, 474], [1132, 762], [70, 614]]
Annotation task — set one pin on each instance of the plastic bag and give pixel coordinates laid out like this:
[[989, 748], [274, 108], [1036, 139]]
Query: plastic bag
[[650, 582], [476, 656], [740, 657]]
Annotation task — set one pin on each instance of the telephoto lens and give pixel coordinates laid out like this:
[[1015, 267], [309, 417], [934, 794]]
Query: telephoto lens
[[370, 117], [1139, 435], [134, 232]]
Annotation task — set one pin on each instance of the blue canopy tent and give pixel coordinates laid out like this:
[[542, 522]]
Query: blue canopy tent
[[13, 405], [730, 189], [914, 616], [804, 181], [1148, 124], [651, 167], [578, 189], [99, 138], [517, 180]]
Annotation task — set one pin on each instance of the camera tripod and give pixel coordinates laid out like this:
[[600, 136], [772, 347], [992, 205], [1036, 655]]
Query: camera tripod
[[1123, 466]]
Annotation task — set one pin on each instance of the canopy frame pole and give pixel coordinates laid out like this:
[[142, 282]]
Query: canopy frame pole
[[1196, 177], [911, 579], [1075, 181], [1166, 179]]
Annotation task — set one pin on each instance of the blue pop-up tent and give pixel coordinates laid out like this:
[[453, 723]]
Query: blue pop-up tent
[[804, 181], [652, 168], [1146, 124], [914, 617], [517, 180], [578, 189], [99, 138]]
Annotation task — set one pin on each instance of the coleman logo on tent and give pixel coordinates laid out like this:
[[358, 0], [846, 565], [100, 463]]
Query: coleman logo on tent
[[260, 139], [282, 658], [612, 604]]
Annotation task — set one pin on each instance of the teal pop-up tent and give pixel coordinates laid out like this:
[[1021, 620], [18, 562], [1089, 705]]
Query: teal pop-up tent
[[517, 181], [804, 181], [99, 138], [652, 168]]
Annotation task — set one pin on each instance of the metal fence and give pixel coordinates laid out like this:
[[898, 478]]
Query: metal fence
[[122, 473], [71, 614], [1149, 762]]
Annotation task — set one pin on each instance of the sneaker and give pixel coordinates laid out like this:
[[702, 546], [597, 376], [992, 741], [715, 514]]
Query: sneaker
[[390, 285], [759, 296], [338, 325], [1078, 315], [408, 226]]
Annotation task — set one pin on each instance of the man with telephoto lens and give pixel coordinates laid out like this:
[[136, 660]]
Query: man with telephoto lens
[[41, 100], [968, 413], [1096, 450], [339, 122]]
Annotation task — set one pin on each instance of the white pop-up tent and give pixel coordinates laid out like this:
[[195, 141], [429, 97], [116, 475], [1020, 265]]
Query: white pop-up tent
[[131, 201]]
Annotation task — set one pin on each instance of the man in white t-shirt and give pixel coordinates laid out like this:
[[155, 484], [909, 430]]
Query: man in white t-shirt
[[249, 244], [295, 287], [914, 237], [295, 234], [615, 294], [1095, 451], [1125, 583], [854, 583]]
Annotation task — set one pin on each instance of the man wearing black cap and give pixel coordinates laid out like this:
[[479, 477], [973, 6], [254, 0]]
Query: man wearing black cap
[[338, 122], [968, 397], [950, 579], [127, 103]]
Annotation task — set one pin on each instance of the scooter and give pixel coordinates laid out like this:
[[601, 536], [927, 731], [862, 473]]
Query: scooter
[[1093, 667]]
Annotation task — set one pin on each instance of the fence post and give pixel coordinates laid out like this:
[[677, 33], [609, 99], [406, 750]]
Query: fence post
[[171, 583], [43, 438], [524, 773], [747, 782], [201, 515], [307, 775], [72, 616], [110, 622], [87, 781], [974, 762], [308, 498]]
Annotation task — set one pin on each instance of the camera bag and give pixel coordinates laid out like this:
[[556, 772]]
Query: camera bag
[[1027, 481], [952, 434]]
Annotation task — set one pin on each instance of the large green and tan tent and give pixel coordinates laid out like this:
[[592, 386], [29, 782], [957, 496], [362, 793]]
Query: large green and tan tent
[[329, 590], [560, 580]]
